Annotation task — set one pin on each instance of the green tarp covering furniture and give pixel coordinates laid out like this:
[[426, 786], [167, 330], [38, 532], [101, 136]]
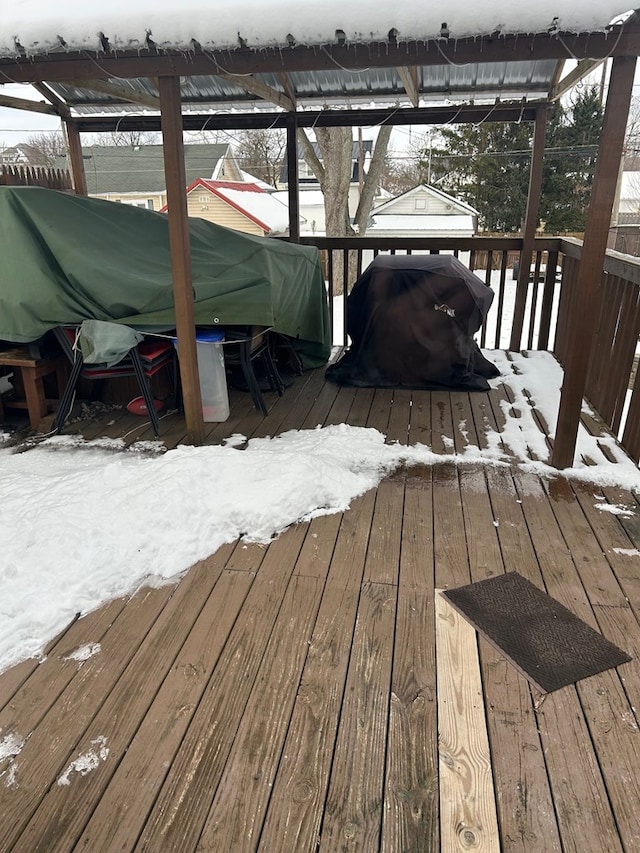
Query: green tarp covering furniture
[[67, 258]]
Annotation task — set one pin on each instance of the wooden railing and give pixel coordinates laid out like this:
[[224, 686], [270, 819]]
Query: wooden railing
[[491, 258], [611, 387]]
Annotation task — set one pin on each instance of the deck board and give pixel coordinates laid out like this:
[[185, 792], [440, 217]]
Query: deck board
[[300, 789], [468, 816], [583, 807], [129, 796], [284, 696]]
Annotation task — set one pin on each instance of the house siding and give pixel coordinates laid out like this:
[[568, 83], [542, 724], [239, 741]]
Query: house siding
[[158, 200], [205, 205], [227, 170], [432, 206]]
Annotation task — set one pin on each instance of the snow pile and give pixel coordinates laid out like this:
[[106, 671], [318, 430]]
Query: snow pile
[[82, 523]]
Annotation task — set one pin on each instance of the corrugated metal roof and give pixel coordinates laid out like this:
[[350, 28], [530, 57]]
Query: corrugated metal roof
[[436, 84]]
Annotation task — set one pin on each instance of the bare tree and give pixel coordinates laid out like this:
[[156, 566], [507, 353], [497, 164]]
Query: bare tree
[[49, 146], [206, 137], [632, 138], [128, 138], [334, 169], [403, 173], [411, 167], [262, 153], [373, 178]]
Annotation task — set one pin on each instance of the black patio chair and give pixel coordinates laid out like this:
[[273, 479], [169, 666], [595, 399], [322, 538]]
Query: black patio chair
[[142, 361], [242, 347]]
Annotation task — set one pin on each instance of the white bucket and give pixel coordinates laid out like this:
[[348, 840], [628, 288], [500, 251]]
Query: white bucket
[[211, 372]]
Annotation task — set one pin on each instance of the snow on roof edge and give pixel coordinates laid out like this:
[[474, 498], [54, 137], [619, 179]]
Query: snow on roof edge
[[36, 27]]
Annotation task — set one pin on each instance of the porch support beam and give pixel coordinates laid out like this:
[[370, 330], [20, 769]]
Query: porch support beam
[[409, 77], [74, 147], [531, 221], [589, 279], [61, 108], [584, 67], [147, 62], [317, 118], [117, 91], [176, 182], [288, 88], [257, 87], [292, 177], [29, 106]]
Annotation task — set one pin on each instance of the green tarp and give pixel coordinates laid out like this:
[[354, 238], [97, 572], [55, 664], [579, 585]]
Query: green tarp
[[66, 258]]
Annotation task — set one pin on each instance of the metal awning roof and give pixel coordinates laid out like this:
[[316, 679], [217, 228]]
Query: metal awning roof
[[435, 85], [474, 78]]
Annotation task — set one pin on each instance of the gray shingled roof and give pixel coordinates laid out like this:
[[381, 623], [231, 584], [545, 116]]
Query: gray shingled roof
[[140, 168]]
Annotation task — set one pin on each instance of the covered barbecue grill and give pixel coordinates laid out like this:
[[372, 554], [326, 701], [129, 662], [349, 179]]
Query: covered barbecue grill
[[411, 320]]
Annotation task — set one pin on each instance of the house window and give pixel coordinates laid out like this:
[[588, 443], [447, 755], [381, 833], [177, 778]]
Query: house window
[[304, 170], [421, 204], [150, 203]]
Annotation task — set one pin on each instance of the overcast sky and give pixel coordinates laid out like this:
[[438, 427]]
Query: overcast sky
[[17, 125]]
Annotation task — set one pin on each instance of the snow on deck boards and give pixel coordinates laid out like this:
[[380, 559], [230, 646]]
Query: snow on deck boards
[[284, 697]]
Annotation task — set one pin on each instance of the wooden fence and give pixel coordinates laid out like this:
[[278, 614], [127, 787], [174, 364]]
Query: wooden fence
[[35, 176]]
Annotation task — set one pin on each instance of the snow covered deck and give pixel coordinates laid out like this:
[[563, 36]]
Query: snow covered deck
[[312, 693]]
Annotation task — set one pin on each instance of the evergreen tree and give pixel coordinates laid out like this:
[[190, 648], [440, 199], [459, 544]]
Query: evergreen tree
[[571, 148], [488, 164]]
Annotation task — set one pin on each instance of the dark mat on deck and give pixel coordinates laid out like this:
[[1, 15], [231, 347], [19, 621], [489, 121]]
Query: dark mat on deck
[[546, 642]]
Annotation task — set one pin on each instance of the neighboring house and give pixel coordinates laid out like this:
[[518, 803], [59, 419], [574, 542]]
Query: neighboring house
[[624, 234], [135, 174], [251, 179], [23, 155], [311, 202], [239, 205], [629, 198], [423, 211], [310, 196]]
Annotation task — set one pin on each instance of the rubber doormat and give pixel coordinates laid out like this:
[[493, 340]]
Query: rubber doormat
[[546, 642]]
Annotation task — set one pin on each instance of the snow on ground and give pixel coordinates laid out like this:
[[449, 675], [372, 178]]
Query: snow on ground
[[82, 523]]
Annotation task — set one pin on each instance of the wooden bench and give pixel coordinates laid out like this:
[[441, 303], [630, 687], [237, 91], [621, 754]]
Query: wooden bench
[[28, 375]]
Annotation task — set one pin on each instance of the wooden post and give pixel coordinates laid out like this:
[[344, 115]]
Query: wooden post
[[292, 178], [530, 223], [583, 322], [74, 146], [171, 123]]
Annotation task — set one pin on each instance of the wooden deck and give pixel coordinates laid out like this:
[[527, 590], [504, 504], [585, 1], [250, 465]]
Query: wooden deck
[[316, 694]]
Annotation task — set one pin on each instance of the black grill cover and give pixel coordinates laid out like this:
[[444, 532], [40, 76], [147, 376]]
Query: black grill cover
[[411, 320]]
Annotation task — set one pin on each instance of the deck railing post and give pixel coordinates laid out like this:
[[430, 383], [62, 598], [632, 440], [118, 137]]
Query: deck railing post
[[292, 178], [531, 222], [582, 322], [171, 111]]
